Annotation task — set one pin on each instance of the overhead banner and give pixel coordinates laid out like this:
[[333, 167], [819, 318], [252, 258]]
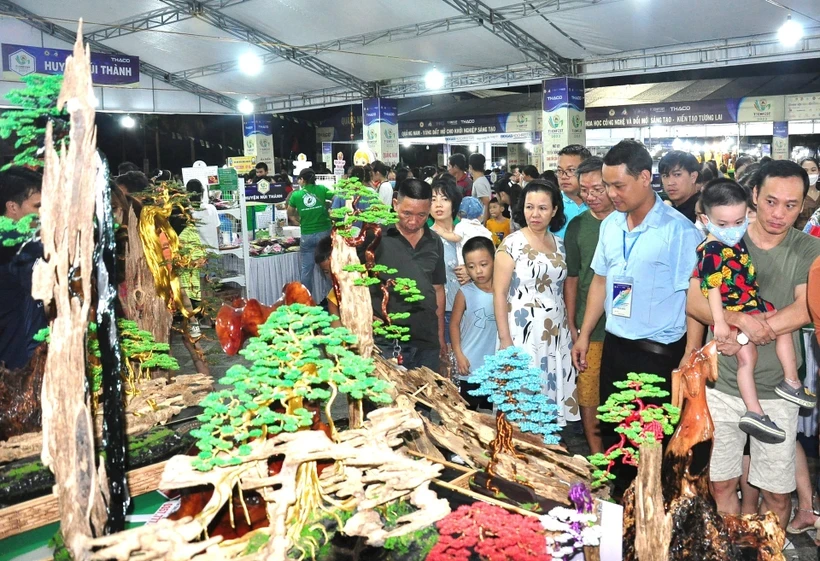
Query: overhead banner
[[259, 138], [517, 122], [667, 114], [563, 118], [380, 125], [764, 109], [106, 70], [803, 107]]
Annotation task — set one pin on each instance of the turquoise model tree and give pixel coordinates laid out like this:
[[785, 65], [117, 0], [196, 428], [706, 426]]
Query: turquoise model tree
[[37, 104], [368, 215], [510, 382], [638, 422]]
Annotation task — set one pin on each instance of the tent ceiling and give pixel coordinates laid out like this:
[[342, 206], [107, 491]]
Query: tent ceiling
[[388, 46]]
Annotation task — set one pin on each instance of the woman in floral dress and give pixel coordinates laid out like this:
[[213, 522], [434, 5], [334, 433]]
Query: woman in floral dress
[[530, 269]]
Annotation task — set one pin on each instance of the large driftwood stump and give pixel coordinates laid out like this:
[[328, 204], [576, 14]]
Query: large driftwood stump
[[550, 470], [355, 307], [68, 242], [142, 303], [653, 527]]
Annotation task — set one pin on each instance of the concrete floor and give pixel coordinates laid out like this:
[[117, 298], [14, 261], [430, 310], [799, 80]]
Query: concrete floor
[[800, 547]]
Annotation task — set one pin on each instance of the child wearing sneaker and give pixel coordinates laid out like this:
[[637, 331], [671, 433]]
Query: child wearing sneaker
[[728, 282]]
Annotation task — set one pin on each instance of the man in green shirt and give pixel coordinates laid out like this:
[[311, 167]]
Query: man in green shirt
[[308, 209], [782, 257], [580, 241]]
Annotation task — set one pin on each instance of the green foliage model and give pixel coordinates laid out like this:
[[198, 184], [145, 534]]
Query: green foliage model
[[638, 423], [38, 103], [298, 359], [368, 211]]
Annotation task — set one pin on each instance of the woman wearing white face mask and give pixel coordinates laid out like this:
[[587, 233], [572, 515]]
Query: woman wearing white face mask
[[812, 201]]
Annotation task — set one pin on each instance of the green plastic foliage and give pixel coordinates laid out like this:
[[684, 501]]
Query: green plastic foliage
[[139, 345], [345, 218], [296, 355], [638, 423], [37, 101], [17, 232]]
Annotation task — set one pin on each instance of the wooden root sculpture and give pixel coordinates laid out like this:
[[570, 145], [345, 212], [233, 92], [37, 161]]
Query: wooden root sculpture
[[68, 244], [698, 531], [356, 308], [20, 389], [369, 471]]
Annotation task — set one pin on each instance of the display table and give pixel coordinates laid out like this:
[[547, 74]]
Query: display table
[[269, 274]]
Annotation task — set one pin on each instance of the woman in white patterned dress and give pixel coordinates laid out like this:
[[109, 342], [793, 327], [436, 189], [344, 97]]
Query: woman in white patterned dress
[[530, 269]]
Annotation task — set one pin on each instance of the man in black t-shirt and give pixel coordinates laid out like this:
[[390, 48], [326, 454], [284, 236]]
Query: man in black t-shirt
[[416, 253], [679, 174]]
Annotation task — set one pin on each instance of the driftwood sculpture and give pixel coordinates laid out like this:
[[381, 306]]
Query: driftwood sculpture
[[68, 196], [142, 303], [688, 525], [370, 471], [549, 469], [20, 389]]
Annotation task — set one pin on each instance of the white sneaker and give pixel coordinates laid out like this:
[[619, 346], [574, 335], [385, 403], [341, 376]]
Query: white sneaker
[[193, 329]]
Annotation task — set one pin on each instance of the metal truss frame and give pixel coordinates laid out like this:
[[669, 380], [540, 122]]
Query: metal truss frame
[[533, 49], [262, 40], [156, 19], [44, 25], [512, 12]]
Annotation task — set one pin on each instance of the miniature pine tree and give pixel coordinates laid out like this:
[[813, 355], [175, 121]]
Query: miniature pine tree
[[638, 423], [368, 210], [298, 359], [141, 352], [38, 104]]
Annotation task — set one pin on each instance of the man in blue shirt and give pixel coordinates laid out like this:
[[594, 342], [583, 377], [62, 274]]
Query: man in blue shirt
[[569, 158], [645, 256]]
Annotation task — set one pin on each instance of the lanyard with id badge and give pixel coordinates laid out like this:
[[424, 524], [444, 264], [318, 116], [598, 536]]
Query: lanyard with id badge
[[622, 286]]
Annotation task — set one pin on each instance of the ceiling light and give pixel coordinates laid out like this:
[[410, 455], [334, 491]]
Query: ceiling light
[[473, 148], [528, 146], [128, 122], [406, 143], [503, 162], [362, 146], [434, 80], [790, 32], [250, 64], [245, 106]]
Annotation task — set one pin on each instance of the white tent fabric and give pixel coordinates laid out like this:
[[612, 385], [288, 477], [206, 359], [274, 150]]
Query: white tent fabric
[[376, 41]]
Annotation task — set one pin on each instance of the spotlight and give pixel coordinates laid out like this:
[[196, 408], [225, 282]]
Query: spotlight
[[528, 146], [128, 122], [790, 32], [434, 80], [250, 64], [406, 143], [245, 106], [503, 162], [362, 146]]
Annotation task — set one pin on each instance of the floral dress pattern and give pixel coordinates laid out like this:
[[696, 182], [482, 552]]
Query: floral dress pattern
[[538, 318]]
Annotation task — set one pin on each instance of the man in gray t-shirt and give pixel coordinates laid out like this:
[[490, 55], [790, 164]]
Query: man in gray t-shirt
[[482, 190], [782, 257]]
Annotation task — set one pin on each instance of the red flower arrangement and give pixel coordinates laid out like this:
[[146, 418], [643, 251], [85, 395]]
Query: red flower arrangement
[[490, 533]]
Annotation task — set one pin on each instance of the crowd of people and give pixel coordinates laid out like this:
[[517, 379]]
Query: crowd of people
[[588, 269], [596, 275]]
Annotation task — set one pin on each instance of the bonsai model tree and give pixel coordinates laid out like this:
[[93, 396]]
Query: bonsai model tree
[[38, 105], [638, 423], [300, 363], [513, 385], [364, 215]]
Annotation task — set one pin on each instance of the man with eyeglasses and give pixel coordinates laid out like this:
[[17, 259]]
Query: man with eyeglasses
[[569, 158], [580, 242]]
